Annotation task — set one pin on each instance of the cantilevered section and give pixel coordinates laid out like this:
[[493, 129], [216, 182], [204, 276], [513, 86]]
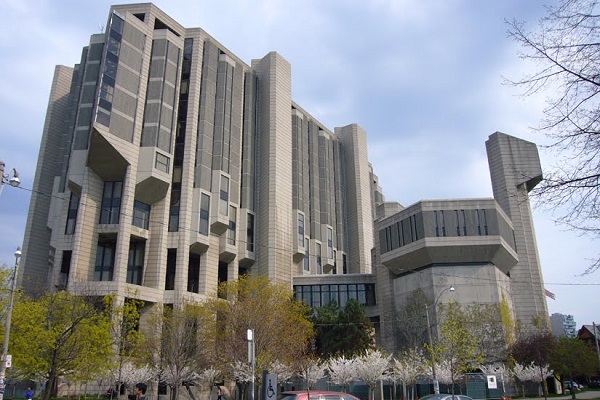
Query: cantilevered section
[[447, 232]]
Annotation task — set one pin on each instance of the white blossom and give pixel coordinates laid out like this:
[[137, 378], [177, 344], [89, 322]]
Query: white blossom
[[174, 376], [408, 367], [312, 372], [283, 371], [209, 375], [372, 367], [341, 371], [242, 372]]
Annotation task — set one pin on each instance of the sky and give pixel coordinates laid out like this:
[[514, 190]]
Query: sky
[[424, 78]]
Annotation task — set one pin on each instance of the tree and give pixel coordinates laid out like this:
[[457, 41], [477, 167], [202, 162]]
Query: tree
[[182, 345], [282, 330], [125, 335], [409, 365], [457, 345], [342, 331], [533, 347], [311, 370], [484, 322], [565, 49], [411, 322], [59, 335], [372, 367], [524, 373], [572, 357], [341, 371]]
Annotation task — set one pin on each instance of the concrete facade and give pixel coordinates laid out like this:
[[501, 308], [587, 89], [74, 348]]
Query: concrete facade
[[172, 165]]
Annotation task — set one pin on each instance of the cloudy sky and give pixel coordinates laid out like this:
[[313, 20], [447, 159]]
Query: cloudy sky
[[422, 77]]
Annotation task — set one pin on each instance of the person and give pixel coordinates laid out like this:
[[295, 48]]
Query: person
[[29, 394], [140, 391], [219, 394]]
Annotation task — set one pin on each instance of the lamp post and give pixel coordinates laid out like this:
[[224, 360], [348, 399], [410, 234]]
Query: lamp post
[[436, 384], [251, 358], [7, 325], [6, 178]]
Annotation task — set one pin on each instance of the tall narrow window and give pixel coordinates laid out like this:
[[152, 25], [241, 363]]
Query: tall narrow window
[[65, 268], [306, 255], [250, 233], [436, 223], [224, 195], [141, 214], [135, 262], [174, 206], [111, 203], [464, 222], [319, 261], [300, 229], [329, 242], [232, 226], [193, 273], [485, 224], [171, 269], [457, 222], [72, 214], [105, 259], [443, 218], [204, 214]]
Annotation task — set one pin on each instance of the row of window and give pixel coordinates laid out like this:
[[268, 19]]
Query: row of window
[[322, 295], [302, 241], [445, 223], [111, 210], [109, 74]]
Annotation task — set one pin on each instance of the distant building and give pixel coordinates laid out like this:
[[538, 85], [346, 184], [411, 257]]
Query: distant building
[[168, 165], [563, 325]]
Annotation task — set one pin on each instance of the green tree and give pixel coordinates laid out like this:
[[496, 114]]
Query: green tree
[[534, 347], [282, 329], [572, 357], [342, 331], [457, 345], [484, 322], [565, 51], [59, 335]]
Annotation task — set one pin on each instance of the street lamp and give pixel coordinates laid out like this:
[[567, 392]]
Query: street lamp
[[436, 384], [7, 326], [6, 178], [251, 360]]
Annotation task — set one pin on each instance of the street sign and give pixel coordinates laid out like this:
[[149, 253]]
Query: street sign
[[270, 386]]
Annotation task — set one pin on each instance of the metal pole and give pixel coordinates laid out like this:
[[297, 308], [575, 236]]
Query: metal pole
[[596, 340], [251, 356], [436, 385], [7, 326]]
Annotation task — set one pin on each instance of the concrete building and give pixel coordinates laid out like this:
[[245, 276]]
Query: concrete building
[[168, 165], [563, 325]]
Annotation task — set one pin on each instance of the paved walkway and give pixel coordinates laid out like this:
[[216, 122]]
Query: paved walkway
[[588, 394]]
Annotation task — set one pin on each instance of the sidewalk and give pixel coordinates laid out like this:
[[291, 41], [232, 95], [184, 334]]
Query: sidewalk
[[588, 394]]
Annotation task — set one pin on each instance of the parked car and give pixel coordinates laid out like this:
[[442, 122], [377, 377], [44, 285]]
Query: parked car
[[594, 385], [445, 396], [317, 395], [575, 385]]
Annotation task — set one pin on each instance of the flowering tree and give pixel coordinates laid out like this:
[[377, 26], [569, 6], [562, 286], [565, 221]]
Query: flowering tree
[[407, 368], [311, 371], [241, 373], [131, 374], [283, 371], [209, 375], [497, 369], [341, 371], [372, 367], [524, 373]]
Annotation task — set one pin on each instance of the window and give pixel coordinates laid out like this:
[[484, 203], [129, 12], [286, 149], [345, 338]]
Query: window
[[105, 259], [72, 214], [443, 220], [300, 229], [193, 273], [482, 228], [457, 222], [232, 226], [319, 261], [204, 214], [174, 206], [436, 223], [329, 242], [141, 214], [135, 263], [162, 162], [250, 233], [111, 203], [171, 269], [224, 195], [464, 222], [306, 256]]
